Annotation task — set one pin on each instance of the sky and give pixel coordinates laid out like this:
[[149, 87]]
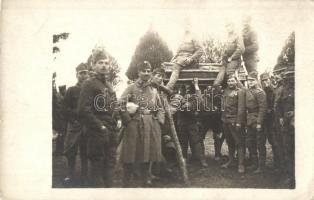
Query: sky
[[120, 30]]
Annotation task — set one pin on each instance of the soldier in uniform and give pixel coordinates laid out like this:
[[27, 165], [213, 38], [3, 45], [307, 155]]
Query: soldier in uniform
[[269, 119], [250, 56], [188, 124], [233, 117], [141, 144], [285, 108], [75, 137], [232, 54], [95, 109], [188, 54], [256, 108]]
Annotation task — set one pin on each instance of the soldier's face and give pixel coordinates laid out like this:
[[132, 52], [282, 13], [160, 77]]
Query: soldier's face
[[252, 83], [82, 75], [231, 83], [145, 74], [266, 82], [157, 78], [101, 67]]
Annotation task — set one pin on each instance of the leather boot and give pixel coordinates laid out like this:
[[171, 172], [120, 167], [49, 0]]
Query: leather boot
[[97, 173], [127, 175], [174, 76], [253, 164], [241, 157], [145, 178], [261, 167]]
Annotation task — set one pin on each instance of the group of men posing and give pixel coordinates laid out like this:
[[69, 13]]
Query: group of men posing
[[248, 117]]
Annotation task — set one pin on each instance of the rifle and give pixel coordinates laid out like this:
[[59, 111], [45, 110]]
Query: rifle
[[174, 136]]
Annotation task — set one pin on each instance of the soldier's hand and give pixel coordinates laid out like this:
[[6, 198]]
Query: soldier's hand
[[166, 138], [119, 124], [105, 132], [258, 127], [281, 121], [229, 59]]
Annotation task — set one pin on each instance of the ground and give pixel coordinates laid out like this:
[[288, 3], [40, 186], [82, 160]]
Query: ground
[[212, 177]]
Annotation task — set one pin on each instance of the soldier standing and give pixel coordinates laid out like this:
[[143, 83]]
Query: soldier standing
[[250, 56], [232, 55], [141, 144], [233, 117], [96, 98], [269, 119], [286, 114], [189, 130], [76, 137], [256, 108]]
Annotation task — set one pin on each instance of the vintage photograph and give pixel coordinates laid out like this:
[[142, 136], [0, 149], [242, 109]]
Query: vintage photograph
[[173, 98]]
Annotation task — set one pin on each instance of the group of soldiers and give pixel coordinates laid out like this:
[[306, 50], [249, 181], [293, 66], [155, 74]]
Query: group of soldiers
[[98, 122]]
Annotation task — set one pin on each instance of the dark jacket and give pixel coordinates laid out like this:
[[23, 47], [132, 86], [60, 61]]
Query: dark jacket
[[71, 99], [95, 106], [234, 106], [256, 105], [234, 47], [250, 44]]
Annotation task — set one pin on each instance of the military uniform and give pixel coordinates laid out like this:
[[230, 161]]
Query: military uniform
[[286, 113], [269, 128], [234, 49], [76, 136], [188, 49], [250, 56], [95, 109], [189, 127], [256, 108], [234, 113]]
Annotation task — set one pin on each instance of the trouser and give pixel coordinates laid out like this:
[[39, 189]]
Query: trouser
[[250, 64], [278, 139], [174, 75], [289, 150], [256, 143], [218, 138], [129, 170], [60, 143], [190, 134], [235, 139], [71, 153], [270, 135], [228, 69], [102, 156]]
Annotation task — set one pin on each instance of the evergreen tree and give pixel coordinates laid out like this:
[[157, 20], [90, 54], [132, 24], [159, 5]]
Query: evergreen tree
[[287, 54], [151, 48], [213, 50]]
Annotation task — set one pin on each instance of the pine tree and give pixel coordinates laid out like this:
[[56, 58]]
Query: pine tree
[[151, 48], [213, 50], [287, 54]]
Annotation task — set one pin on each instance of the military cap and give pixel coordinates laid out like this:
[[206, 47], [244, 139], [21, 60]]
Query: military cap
[[99, 54], [264, 76], [160, 71], [144, 65], [252, 75], [81, 67]]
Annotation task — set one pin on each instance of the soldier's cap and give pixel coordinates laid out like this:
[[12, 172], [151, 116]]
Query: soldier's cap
[[264, 76], [160, 71], [232, 76], [99, 54], [252, 76], [82, 67], [144, 66]]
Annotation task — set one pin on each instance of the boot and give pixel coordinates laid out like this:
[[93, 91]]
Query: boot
[[68, 181], [261, 167], [146, 181], [96, 173], [253, 164], [127, 175], [230, 163], [174, 76], [241, 157], [84, 171]]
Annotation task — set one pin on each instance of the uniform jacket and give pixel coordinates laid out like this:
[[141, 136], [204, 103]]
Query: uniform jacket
[[142, 136], [250, 43], [234, 106], [234, 47], [74, 127], [277, 96], [285, 102], [256, 105], [95, 105], [188, 49]]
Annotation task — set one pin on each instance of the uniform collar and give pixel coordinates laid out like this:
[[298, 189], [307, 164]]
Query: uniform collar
[[141, 83]]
